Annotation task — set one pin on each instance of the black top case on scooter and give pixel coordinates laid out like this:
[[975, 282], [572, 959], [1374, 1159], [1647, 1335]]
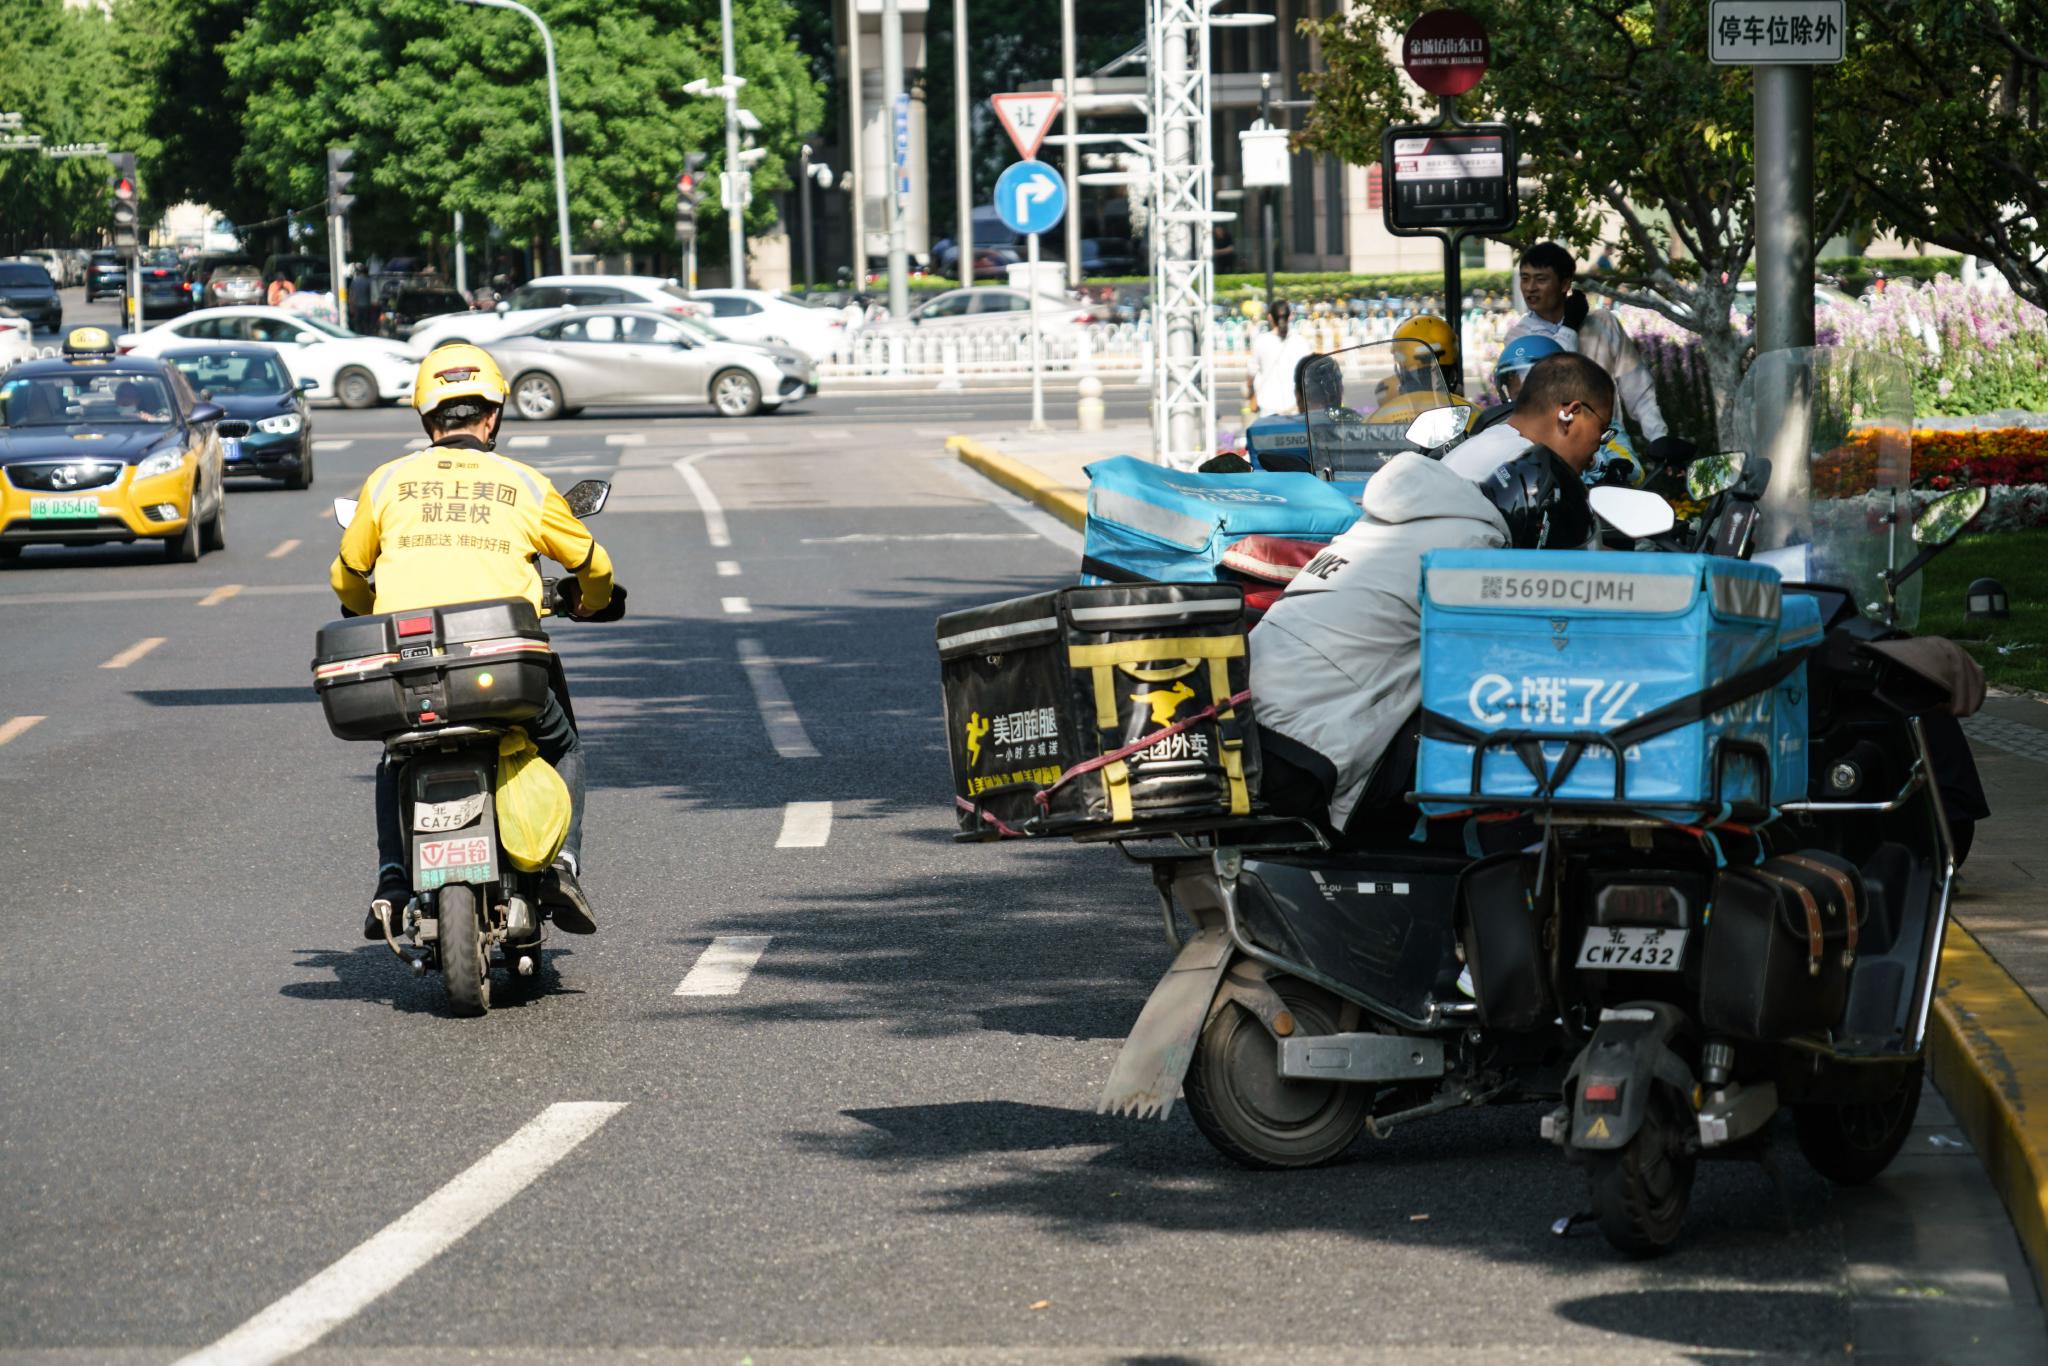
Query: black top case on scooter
[[432, 666]]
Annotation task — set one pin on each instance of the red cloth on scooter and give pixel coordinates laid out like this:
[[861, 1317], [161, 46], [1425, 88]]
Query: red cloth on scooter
[[1270, 559]]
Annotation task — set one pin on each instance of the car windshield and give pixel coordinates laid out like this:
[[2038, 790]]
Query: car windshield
[[92, 398], [224, 373], [701, 330], [18, 274]]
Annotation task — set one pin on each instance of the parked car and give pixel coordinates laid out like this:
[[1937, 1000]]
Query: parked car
[[106, 273], [56, 262], [26, 287], [356, 371], [758, 316], [268, 426], [166, 292], [228, 283], [611, 355], [412, 304], [1000, 308], [537, 299]]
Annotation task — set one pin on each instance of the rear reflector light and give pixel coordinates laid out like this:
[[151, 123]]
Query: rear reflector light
[[415, 626], [1602, 1090]]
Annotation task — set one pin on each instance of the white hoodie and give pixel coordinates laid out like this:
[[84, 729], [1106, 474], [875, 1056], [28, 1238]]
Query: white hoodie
[[1602, 340], [1336, 665]]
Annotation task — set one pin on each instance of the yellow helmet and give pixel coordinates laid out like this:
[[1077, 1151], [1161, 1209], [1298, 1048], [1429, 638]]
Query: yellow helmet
[[1434, 333], [457, 370]]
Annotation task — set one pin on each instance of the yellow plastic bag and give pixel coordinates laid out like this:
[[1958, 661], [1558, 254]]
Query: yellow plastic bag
[[533, 804]]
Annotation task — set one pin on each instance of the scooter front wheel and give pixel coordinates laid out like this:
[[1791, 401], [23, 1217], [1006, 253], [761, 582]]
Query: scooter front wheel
[[1254, 1115], [465, 956]]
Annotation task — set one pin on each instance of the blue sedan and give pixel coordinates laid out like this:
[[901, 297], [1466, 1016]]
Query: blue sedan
[[268, 427]]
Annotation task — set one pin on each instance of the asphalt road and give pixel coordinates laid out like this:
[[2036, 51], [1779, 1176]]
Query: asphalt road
[[224, 1119]]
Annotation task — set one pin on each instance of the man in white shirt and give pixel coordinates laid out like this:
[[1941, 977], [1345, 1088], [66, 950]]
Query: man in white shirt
[[1559, 312], [1566, 403], [1275, 355]]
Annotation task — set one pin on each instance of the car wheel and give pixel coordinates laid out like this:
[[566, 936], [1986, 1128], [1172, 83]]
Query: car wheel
[[213, 535], [537, 397], [183, 548], [735, 393], [302, 477], [9, 553], [356, 387]]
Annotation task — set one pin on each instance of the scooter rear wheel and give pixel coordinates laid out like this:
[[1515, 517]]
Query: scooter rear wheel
[[465, 957], [1254, 1115], [1641, 1190], [1851, 1144]]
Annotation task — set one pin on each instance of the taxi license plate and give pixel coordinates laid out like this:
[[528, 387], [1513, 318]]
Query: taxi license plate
[[1633, 948], [457, 860], [57, 509]]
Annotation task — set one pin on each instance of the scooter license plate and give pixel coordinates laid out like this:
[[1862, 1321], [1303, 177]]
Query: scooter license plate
[[457, 860], [1633, 948]]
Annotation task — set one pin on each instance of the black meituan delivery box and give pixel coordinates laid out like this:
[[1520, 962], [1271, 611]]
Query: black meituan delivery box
[[478, 661], [1038, 686]]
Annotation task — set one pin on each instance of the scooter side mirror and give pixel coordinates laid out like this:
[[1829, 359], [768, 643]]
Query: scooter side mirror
[[344, 511], [1711, 475], [1946, 518], [1636, 513], [1437, 426], [587, 497]]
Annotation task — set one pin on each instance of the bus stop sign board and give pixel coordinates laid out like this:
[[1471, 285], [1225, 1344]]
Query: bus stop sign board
[[1458, 179], [1445, 52]]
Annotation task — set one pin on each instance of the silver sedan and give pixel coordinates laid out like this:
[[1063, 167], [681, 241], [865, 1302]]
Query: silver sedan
[[585, 357]]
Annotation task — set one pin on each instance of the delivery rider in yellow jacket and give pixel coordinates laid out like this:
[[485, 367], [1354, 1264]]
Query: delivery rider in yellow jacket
[[457, 522]]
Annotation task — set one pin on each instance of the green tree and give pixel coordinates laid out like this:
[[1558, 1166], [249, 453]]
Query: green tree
[[1947, 97], [1625, 131]]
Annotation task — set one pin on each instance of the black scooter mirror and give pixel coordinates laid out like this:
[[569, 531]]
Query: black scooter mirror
[[1944, 519], [1713, 475], [587, 497]]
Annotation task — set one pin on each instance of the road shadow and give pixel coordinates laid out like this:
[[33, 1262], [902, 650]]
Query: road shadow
[[370, 973]]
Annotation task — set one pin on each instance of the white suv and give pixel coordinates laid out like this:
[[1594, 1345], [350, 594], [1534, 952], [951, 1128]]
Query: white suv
[[535, 300]]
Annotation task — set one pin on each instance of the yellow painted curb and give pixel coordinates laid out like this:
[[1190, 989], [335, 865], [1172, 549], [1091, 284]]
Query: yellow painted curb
[[1070, 505], [1988, 1051]]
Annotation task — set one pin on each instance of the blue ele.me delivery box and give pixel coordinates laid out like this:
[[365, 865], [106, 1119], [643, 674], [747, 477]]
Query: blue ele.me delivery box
[[1579, 643]]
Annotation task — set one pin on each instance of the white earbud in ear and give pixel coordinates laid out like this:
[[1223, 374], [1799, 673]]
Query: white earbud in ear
[[1564, 415]]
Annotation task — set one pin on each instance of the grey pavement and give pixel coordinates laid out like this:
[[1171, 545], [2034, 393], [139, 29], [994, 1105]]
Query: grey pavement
[[882, 1146]]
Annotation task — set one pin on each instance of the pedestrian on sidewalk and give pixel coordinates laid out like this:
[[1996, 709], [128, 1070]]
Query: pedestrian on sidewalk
[[1276, 355]]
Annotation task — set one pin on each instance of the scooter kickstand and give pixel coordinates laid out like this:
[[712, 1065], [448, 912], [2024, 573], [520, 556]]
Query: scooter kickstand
[[1563, 1227]]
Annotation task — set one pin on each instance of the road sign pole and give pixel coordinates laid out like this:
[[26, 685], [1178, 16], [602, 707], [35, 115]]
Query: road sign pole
[[1784, 207], [892, 93], [1037, 357]]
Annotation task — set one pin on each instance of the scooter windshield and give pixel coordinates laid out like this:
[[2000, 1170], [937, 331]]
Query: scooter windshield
[[1358, 403], [1836, 425]]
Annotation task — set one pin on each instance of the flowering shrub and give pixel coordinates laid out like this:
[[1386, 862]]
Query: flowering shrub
[[1999, 457]]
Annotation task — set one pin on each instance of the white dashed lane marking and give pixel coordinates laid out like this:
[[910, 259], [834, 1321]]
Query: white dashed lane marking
[[625, 439], [722, 969], [529, 443], [14, 726], [805, 825], [714, 516], [737, 607], [283, 549], [133, 653], [727, 438], [785, 728], [728, 569], [332, 444], [402, 1247]]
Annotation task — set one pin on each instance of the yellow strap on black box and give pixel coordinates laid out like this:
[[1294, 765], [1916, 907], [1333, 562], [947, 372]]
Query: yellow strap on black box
[[1103, 660]]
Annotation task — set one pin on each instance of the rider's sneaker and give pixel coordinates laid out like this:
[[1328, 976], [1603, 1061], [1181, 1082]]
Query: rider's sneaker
[[392, 893], [563, 896]]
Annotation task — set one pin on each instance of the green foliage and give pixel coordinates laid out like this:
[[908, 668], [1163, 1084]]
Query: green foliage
[[72, 75], [2014, 653]]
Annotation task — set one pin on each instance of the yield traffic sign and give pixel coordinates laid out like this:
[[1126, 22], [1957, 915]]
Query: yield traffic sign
[[1031, 197], [1027, 117]]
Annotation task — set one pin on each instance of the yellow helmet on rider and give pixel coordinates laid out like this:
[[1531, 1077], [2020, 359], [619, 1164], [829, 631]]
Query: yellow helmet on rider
[[1433, 332], [454, 371]]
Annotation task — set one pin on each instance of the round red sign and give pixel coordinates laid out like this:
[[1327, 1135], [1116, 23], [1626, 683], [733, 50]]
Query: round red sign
[[1445, 52]]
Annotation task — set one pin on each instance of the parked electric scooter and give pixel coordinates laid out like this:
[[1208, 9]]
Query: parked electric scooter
[[441, 688]]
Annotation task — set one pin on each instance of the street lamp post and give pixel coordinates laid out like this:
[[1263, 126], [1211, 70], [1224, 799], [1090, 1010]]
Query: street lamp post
[[735, 200], [547, 45]]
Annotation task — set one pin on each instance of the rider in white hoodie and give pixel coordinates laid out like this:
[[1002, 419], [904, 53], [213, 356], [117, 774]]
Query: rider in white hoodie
[[1336, 664]]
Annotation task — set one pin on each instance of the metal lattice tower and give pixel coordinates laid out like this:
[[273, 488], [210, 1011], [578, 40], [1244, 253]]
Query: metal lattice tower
[[1183, 253]]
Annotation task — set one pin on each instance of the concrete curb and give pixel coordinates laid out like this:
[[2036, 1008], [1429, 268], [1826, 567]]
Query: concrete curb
[[1070, 505], [1988, 1052]]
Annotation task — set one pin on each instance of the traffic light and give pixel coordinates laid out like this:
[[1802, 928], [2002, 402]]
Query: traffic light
[[689, 195], [339, 178], [126, 240]]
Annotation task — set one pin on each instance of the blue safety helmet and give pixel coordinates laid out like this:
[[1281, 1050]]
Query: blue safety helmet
[[1520, 354]]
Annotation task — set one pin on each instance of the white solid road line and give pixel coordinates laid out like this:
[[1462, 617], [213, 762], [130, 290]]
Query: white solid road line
[[722, 969], [418, 1236], [1043, 523], [528, 443], [625, 439], [15, 725], [331, 444], [714, 516], [805, 825], [728, 569], [737, 607], [133, 653], [220, 595], [284, 548], [785, 728]]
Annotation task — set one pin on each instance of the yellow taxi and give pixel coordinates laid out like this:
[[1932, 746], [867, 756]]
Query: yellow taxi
[[97, 448]]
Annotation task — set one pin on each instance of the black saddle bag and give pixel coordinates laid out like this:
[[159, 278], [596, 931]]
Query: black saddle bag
[[1780, 946]]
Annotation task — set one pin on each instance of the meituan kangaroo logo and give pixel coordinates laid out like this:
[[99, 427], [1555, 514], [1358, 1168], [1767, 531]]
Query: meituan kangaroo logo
[[1164, 703], [976, 728]]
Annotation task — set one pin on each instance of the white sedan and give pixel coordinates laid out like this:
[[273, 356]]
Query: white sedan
[[586, 357], [356, 371], [998, 308], [755, 315], [548, 295]]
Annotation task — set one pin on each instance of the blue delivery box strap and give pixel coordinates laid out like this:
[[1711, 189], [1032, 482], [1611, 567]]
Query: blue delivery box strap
[[1149, 523], [1647, 680]]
